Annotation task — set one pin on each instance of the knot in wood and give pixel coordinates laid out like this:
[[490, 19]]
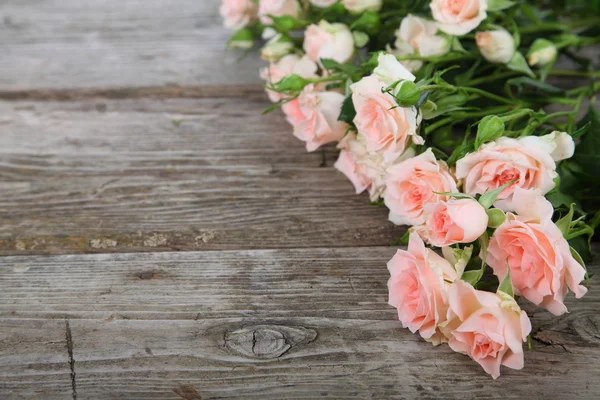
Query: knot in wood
[[267, 341]]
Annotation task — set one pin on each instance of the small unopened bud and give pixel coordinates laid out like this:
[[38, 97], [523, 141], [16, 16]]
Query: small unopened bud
[[407, 93], [276, 48], [496, 46], [541, 53], [360, 38], [496, 217]]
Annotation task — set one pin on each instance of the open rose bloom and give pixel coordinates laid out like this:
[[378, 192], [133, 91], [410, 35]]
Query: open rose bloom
[[540, 261], [488, 327]]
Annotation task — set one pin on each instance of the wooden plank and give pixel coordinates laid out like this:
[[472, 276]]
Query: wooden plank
[[147, 175], [34, 361], [63, 44], [269, 324]]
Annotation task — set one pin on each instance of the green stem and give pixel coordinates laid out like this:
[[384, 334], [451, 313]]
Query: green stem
[[595, 87], [583, 74], [438, 124], [489, 95], [517, 115], [491, 78]]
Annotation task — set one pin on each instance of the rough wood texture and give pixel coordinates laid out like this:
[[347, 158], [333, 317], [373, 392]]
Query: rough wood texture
[[58, 44], [266, 324], [147, 175]]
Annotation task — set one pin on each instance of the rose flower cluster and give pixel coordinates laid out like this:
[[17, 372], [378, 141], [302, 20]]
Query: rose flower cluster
[[437, 109]]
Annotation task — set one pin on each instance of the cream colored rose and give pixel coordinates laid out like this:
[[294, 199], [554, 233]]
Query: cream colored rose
[[314, 116], [238, 14], [325, 40], [288, 65], [458, 17], [359, 6], [418, 36], [366, 171], [276, 48], [496, 46], [323, 3], [527, 160], [278, 8]]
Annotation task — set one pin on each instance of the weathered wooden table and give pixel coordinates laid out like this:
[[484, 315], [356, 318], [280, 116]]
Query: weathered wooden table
[[163, 240]]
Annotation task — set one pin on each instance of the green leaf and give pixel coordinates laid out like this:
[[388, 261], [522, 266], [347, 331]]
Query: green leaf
[[523, 81], [489, 197], [490, 128], [369, 22], [519, 64], [564, 224], [291, 83], [498, 5], [285, 23], [506, 285], [332, 65], [242, 39], [474, 276], [348, 112], [581, 131], [577, 256], [455, 195]]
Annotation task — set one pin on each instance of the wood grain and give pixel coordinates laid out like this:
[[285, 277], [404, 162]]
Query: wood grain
[[148, 175], [65, 44], [270, 324]]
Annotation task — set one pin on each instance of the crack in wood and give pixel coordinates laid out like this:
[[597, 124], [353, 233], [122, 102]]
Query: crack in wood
[[158, 92], [69, 337]]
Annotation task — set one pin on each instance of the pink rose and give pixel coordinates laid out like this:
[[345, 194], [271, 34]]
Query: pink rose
[[458, 17], [314, 116], [454, 221], [288, 65], [278, 8], [418, 288], [528, 160], [387, 128], [488, 327], [540, 261], [410, 186], [325, 40], [366, 171], [237, 14]]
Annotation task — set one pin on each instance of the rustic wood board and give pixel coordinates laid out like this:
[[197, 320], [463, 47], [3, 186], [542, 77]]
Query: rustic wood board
[[65, 44], [180, 174], [269, 324]]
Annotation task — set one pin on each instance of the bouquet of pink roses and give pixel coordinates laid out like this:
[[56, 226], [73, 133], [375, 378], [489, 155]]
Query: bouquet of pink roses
[[441, 112]]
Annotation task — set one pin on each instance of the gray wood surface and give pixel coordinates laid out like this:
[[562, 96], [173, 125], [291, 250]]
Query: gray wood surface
[[179, 174], [58, 44], [269, 324]]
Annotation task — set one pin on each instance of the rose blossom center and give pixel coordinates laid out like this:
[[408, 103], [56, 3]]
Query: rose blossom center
[[456, 6]]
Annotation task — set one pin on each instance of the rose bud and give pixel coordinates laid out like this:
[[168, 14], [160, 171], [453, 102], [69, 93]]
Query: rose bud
[[496, 46]]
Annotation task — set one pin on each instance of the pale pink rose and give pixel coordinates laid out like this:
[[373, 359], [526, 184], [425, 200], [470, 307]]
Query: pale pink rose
[[418, 36], [323, 3], [287, 65], [496, 46], [366, 171], [278, 8], [458, 17], [528, 160], [488, 327], [540, 261], [454, 221], [325, 40], [359, 6], [387, 128], [314, 116], [237, 14], [418, 288], [411, 185]]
